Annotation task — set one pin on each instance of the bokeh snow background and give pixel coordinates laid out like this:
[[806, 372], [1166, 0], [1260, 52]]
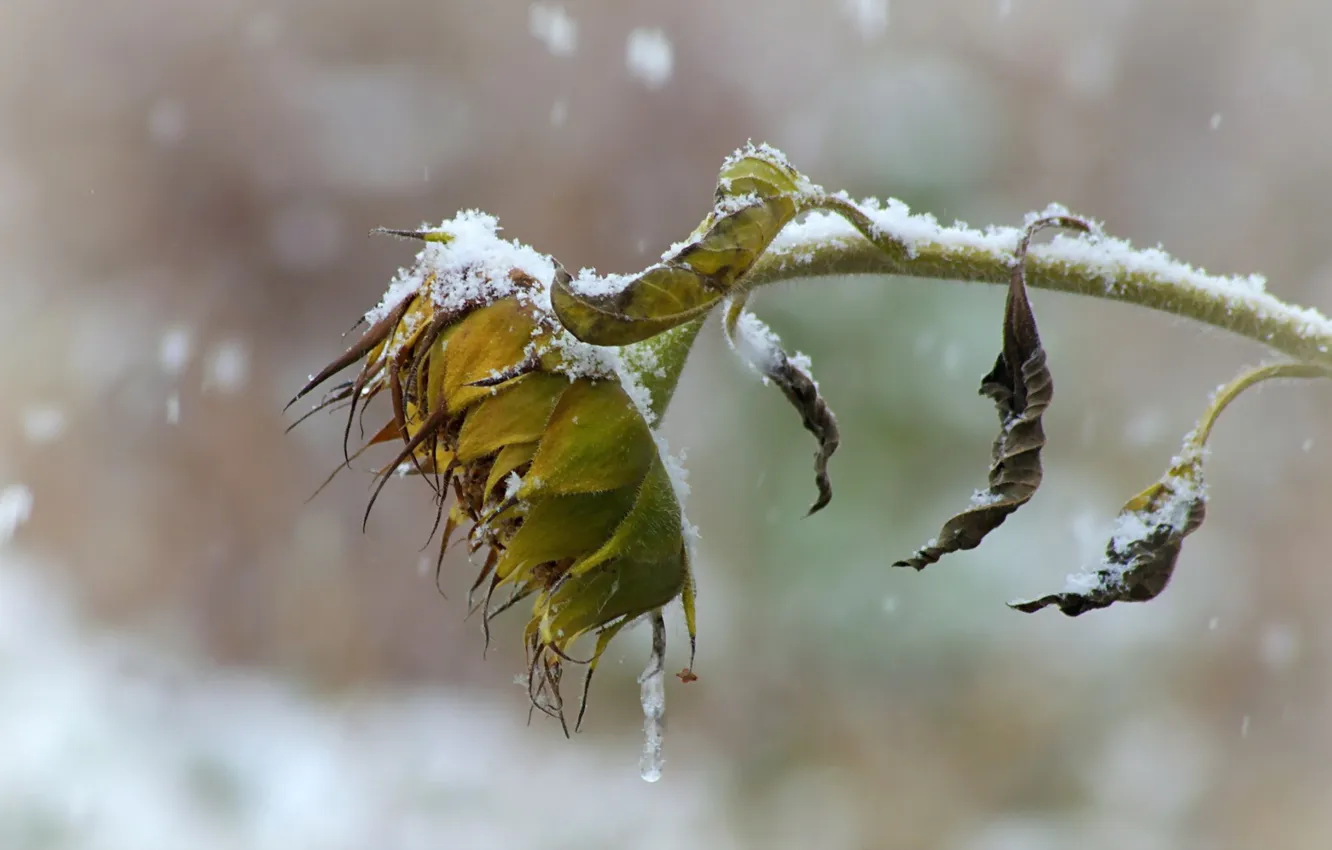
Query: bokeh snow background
[[190, 656]]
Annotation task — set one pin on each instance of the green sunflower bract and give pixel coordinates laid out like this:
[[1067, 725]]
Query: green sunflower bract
[[543, 442]]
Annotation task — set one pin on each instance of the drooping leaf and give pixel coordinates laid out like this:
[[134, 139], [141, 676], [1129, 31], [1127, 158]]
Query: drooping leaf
[[1021, 387], [762, 350], [1140, 558], [664, 296]]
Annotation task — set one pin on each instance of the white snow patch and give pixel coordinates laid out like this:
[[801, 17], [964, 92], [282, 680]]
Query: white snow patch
[[511, 486], [475, 265], [1094, 255], [757, 344], [984, 498], [108, 742], [679, 477], [592, 285], [649, 56], [1134, 526], [552, 26]]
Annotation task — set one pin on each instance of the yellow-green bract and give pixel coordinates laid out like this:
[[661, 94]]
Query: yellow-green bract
[[537, 438]]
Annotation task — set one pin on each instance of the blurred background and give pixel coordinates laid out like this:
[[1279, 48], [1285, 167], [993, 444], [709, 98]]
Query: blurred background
[[193, 657]]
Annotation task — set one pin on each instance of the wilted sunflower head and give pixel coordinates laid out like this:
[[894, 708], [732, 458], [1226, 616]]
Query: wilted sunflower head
[[544, 443]]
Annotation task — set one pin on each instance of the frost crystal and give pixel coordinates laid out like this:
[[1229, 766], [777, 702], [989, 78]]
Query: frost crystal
[[757, 344], [649, 56], [511, 486]]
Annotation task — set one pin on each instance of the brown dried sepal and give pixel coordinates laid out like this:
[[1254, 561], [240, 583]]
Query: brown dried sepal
[[1021, 386]]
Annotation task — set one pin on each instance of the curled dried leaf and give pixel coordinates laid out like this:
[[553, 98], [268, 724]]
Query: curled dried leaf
[[762, 350], [1021, 387], [1149, 532], [1140, 558], [757, 195]]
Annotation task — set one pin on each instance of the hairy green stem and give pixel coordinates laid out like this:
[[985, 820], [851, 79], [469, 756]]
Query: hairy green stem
[[658, 362], [1298, 332], [1232, 390]]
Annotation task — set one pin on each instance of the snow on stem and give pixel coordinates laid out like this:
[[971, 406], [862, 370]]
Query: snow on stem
[[916, 245]]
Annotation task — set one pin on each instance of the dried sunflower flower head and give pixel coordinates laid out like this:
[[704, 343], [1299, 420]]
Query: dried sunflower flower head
[[544, 443]]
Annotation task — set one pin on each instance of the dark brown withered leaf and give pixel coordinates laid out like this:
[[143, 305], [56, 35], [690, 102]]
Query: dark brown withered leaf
[[1150, 530], [1021, 387], [1140, 557], [761, 348]]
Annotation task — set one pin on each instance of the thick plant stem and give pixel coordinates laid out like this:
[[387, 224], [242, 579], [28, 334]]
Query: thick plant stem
[[658, 362], [1298, 332]]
